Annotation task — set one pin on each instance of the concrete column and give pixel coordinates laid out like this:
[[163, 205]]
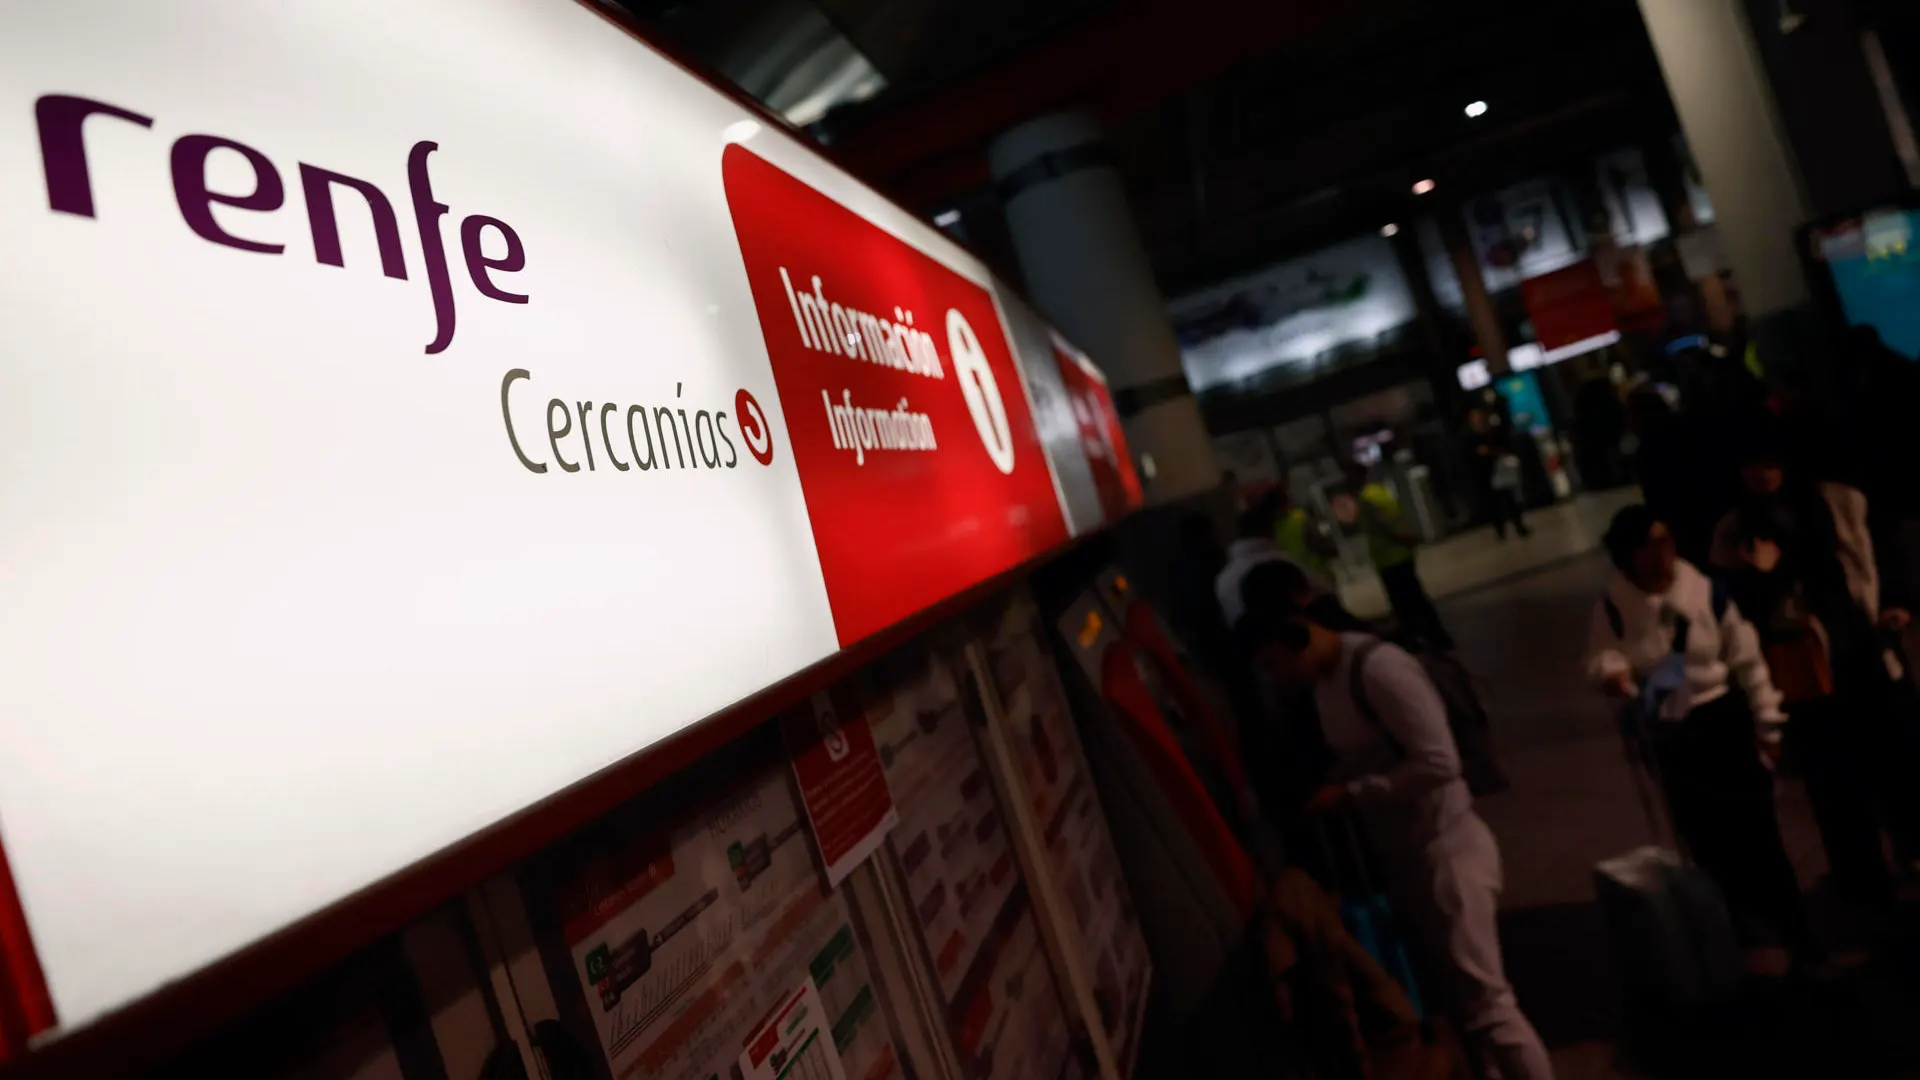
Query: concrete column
[[1667, 172], [1441, 364], [1481, 315], [1087, 272], [1720, 89], [1816, 62]]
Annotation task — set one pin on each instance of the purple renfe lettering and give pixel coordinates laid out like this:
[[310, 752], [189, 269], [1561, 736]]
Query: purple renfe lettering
[[427, 214], [63, 152]]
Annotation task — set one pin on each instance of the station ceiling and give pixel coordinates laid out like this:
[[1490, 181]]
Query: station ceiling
[[1245, 131]]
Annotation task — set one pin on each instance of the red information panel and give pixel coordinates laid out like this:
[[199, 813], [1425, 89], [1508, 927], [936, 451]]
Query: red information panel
[[841, 780], [1100, 433], [1569, 306], [25, 1008], [921, 465]]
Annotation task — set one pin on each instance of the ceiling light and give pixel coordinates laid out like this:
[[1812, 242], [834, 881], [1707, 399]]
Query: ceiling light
[[947, 219], [1476, 110], [1424, 186], [1390, 229]]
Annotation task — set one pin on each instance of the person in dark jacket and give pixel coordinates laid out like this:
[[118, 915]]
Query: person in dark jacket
[[1496, 472], [1682, 469], [1801, 560]]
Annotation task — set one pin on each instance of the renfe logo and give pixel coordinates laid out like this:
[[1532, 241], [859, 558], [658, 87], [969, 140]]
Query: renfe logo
[[63, 154], [664, 437]]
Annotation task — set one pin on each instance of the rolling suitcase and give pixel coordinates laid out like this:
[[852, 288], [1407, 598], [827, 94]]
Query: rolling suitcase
[[1367, 912], [1673, 940]]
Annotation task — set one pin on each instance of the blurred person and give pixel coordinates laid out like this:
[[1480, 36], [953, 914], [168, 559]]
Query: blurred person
[[1496, 473], [1258, 526], [1599, 425], [1871, 430], [1371, 507], [1801, 559], [1304, 538], [1395, 765], [1877, 393], [1683, 470], [1197, 561], [1279, 585], [1665, 636]]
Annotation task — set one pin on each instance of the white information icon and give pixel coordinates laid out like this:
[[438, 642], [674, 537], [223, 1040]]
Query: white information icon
[[982, 392]]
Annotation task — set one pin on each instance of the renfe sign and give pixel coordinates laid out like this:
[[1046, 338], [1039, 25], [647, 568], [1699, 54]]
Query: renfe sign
[[410, 409]]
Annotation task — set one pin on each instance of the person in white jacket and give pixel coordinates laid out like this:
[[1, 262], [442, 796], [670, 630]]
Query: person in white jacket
[[1667, 637]]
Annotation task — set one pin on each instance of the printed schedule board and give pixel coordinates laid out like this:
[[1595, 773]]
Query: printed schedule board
[[971, 916], [685, 938], [1077, 850], [412, 409]]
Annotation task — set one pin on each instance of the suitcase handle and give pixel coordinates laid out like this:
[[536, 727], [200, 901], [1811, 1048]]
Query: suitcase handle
[[1643, 763], [1355, 850]]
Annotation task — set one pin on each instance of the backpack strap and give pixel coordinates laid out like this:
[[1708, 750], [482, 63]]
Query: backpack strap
[[1720, 597], [1682, 626], [1357, 685]]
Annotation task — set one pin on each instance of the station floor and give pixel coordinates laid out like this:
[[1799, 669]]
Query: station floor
[[1476, 559], [1520, 611]]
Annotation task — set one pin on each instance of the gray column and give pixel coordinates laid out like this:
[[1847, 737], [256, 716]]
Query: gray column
[[1087, 271], [1719, 87], [1814, 55]]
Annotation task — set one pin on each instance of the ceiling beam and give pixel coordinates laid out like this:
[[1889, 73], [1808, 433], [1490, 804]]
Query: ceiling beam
[[1136, 54]]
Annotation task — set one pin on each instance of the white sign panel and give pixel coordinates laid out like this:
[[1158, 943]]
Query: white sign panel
[[391, 442], [1296, 313]]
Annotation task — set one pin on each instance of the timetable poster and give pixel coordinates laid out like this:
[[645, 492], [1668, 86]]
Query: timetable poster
[[1057, 780], [794, 1043], [1008, 1021], [686, 938], [969, 905], [951, 844]]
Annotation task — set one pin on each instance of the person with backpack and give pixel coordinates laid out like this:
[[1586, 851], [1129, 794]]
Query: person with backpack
[[1283, 585], [1670, 644], [1395, 764]]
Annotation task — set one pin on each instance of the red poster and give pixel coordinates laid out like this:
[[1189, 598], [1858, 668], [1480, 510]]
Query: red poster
[[1100, 432], [842, 782], [1568, 306], [922, 468], [1628, 277]]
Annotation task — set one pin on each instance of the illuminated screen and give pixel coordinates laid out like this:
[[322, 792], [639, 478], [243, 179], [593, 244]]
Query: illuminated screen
[[1876, 273]]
